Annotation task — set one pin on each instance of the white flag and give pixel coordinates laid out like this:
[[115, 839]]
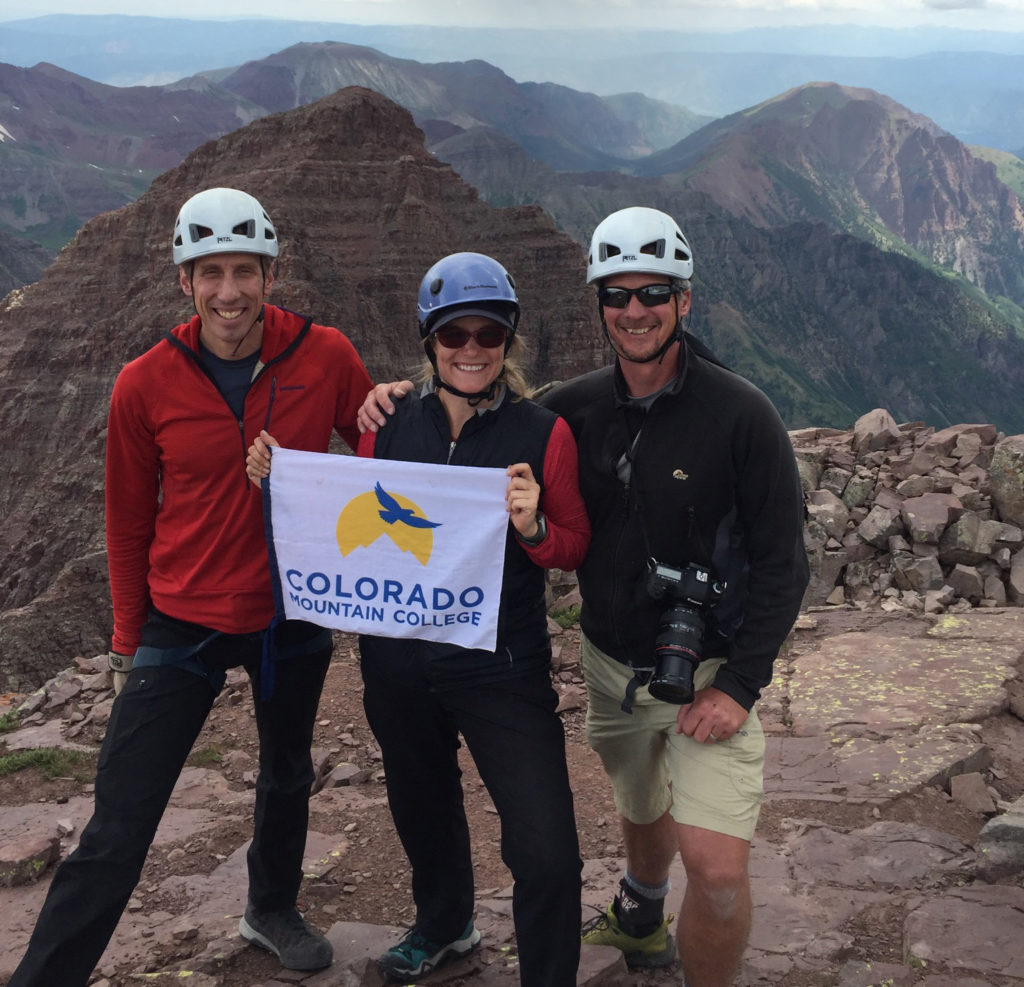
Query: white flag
[[398, 549]]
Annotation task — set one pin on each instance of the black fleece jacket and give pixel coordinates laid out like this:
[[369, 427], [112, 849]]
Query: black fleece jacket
[[713, 481]]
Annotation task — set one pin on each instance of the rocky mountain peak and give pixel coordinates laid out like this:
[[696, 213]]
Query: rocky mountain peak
[[884, 172], [362, 210]]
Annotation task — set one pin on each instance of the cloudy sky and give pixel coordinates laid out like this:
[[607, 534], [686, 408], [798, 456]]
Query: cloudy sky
[[996, 15]]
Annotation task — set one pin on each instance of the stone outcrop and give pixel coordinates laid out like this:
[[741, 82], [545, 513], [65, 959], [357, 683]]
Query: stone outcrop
[[1001, 844], [890, 842], [362, 209], [913, 517], [881, 163]]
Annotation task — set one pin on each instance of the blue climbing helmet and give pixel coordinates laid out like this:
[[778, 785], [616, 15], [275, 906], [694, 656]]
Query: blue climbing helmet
[[467, 283]]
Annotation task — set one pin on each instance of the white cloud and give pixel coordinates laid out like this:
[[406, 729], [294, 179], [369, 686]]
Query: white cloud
[[673, 14], [956, 4]]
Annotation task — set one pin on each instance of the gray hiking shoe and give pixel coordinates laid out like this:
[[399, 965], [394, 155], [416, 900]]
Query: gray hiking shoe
[[288, 937]]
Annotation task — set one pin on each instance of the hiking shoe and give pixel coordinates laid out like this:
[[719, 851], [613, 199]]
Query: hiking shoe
[[416, 955], [657, 949], [288, 937]]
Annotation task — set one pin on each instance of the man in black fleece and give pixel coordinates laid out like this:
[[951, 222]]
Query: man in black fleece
[[697, 553]]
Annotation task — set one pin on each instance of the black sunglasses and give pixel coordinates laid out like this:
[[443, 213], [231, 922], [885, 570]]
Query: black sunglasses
[[453, 338], [650, 295]]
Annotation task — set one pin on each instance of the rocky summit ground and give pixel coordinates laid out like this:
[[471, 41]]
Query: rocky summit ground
[[895, 746]]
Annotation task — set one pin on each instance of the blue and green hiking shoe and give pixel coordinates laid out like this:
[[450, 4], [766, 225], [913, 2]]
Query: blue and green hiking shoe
[[416, 955]]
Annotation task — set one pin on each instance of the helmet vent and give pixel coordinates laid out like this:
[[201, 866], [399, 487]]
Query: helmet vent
[[436, 285], [198, 233], [222, 220], [639, 240]]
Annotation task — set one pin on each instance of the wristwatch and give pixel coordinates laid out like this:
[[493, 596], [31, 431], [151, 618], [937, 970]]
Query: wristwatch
[[540, 534]]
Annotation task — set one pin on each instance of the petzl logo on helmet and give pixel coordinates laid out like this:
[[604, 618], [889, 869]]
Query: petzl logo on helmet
[[374, 513]]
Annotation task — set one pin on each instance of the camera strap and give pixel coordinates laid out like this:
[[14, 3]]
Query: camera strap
[[641, 676]]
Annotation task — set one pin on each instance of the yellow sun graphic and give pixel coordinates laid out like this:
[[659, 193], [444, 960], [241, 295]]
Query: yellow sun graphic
[[378, 512]]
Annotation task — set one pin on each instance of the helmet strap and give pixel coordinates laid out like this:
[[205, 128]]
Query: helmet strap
[[472, 398], [259, 318]]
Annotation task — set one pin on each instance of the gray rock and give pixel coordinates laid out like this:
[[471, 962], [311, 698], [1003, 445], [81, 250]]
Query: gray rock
[[969, 539], [945, 930], [915, 573], [829, 511], [858, 489], [880, 524], [927, 516], [966, 582], [24, 860], [885, 855], [1006, 479], [970, 791], [875, 430]]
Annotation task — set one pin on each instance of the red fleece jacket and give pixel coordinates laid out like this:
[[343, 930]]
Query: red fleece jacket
[[184, 524]]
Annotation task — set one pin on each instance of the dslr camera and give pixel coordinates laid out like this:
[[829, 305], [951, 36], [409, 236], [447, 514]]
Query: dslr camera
[[689, 592]]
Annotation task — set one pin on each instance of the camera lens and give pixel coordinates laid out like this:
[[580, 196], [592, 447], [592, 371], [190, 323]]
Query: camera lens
[[676, 655]]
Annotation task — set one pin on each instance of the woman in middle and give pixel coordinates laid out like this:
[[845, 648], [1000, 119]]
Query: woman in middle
[[420, 696]]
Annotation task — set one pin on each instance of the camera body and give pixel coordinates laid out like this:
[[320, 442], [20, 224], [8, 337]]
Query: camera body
[[689, 591]]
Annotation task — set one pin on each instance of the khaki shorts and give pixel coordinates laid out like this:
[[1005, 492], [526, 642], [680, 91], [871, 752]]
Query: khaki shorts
[[717, 786]]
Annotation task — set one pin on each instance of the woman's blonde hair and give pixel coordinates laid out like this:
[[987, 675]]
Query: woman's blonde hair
[[511, 372]]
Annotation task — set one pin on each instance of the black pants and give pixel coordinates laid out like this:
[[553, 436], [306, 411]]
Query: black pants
[[153, 725], [518, 744]]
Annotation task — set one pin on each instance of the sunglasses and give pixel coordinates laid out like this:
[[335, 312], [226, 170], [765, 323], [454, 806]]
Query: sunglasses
[[650, 295], [453, 338]]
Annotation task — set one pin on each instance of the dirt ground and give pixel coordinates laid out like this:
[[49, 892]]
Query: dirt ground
[[371, 884]]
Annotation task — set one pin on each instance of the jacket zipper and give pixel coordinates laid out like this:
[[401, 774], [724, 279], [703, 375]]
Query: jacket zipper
[[260, 368], [627, 494]]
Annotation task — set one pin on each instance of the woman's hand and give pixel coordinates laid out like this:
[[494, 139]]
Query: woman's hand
[[257, 462], [521, 499]]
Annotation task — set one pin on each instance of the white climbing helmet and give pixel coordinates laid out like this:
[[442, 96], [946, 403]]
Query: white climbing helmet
[[222, 221], [639, 239]]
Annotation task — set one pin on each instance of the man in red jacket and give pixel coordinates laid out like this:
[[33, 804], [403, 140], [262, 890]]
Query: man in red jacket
[[191, 590]]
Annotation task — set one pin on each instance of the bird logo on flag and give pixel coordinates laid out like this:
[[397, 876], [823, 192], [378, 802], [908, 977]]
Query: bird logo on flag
[[377, 512], [393, 511]]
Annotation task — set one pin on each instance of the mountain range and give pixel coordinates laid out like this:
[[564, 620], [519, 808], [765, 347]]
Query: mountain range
[[969, 81], [849, 253], [822, 174], [362, 210], [71, 148]]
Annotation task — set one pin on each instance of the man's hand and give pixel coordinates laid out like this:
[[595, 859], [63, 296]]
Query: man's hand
[[712, 716], [378, 405]]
